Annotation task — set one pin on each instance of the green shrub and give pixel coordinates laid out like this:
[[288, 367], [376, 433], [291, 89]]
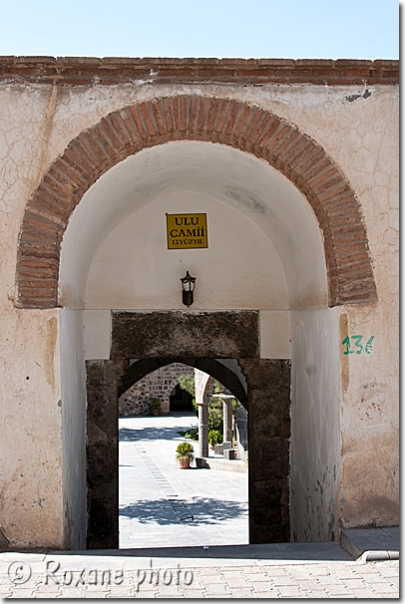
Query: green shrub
[[155, 404], [215, 437], [185, 450], [191, 433]]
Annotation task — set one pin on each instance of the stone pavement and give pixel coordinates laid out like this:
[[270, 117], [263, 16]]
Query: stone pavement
[[163, 505], [105, 575], [184, 534]]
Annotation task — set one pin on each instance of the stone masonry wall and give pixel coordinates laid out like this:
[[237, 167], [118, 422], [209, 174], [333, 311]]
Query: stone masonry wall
[[159, 384]]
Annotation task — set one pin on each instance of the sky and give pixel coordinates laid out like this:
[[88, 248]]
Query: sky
[[294, 29]]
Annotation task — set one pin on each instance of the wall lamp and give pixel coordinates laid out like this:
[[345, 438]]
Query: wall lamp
[[188, 283]]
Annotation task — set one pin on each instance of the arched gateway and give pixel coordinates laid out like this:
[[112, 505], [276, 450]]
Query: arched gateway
[[295, 166], [194, 118]]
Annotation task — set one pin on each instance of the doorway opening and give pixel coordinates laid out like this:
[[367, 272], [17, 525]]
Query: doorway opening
[[225, 347], [180, 400], [160, 505]]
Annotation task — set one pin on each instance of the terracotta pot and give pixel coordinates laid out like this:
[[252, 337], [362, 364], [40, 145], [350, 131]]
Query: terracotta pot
[[155, 411], [184, 462]]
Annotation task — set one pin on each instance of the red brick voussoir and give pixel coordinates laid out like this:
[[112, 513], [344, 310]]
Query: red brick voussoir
[[194, 118]]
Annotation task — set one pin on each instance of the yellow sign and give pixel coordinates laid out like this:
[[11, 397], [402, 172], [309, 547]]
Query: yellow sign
[[186, 231]]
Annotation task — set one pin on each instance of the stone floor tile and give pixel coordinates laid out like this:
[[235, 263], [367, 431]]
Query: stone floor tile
[[317, 593], [194, 593], [263, 585], [354, 583], [308, 584], [288, 580], [216, 588], [236, 582], [289, 591], [364, 592], [388, 572], [241, 592], [231, 572], [383, 587], [338, 590], [328, 580], [214, 578], [93, 594], [23, 592]]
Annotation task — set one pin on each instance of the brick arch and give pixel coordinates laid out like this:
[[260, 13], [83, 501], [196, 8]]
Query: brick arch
[[242, 126]]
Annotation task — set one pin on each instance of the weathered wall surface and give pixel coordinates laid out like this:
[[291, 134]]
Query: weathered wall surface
[[315, 437], [31, 436], [357, 126]]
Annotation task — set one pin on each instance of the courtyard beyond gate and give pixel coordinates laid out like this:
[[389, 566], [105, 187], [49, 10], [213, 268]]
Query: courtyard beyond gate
[[161, 505]]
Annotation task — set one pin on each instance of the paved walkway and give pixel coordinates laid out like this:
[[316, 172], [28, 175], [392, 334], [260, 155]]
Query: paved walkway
[[201, 512], [103, 575], [163, 505]]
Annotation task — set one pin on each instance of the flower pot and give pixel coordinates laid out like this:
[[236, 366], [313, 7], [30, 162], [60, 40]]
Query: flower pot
[[155, 411], [184, 462]]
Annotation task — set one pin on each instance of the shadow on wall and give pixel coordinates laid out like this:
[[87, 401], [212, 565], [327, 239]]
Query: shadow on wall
[[200, 510]]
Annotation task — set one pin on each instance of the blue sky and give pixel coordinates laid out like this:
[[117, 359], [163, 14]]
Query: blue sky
[[358, 29]]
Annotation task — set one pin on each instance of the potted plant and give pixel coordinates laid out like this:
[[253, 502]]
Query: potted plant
[[215, 437], [185, 454], [155, 406]]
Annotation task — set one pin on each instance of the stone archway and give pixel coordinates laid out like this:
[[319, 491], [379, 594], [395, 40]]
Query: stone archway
[[194, 118], [236, 335]]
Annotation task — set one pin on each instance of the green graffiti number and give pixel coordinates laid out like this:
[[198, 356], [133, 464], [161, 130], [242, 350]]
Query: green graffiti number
[[368, 348], [357, 340], [346, 342], [369, 345]]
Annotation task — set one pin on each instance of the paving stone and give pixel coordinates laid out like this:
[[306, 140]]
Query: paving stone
[[338, 590], [308, 584], [348, 573], [231, 573], [289, 591], [23, 592], [317, 593], [354, 583], [213, 578], [216, 589], [383, 587], [236, 582], [365, 593], [284, 581], [241, 592], [263, 586], [194, 593], [373, 577], [329, 580]]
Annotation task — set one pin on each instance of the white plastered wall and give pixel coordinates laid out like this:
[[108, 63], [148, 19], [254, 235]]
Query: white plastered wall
[[315, 439], [73, 379], [38, 122]]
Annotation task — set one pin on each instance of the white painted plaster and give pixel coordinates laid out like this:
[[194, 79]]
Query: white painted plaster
[[315, 425], [259, 225], [97, 334], [73, 379], [275, 334]]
